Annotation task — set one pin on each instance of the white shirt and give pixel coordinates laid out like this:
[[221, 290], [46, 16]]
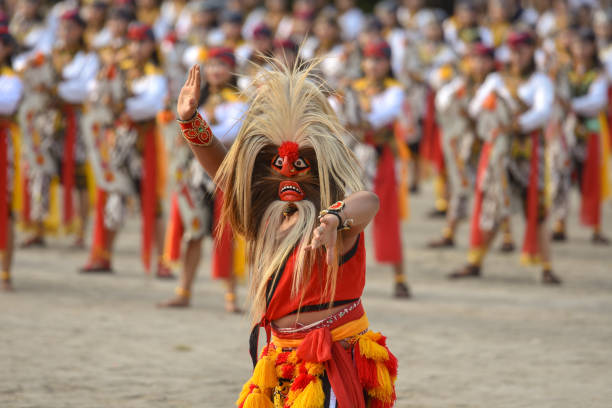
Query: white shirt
[[595, 100], [537, 92], [385, 107], [150, 93], [76, 76], [11, 90], [229, 117], [351, 23], [446, 95]]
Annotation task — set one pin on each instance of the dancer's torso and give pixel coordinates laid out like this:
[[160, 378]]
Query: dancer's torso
[[311, 303]]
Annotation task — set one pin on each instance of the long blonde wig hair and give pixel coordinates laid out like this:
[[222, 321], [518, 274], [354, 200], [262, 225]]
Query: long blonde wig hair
[[286, 105]]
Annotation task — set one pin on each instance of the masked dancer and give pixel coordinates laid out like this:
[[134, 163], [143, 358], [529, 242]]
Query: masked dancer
[[307, 268]]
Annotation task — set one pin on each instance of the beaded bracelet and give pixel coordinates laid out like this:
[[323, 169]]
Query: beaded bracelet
[[196, 131]]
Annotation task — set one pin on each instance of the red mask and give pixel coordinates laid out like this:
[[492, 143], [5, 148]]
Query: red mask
[[289, 163]]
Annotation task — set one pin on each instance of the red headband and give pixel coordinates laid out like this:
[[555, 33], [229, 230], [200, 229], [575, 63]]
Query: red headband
[[140, 32], [73, 15], [482, 50], [223, 53], [517, 39], [377, 49]]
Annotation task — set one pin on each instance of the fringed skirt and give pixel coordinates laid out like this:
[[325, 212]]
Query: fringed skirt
[[327, 367]]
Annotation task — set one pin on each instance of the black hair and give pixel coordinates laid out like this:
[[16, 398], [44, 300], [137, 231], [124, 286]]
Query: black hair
[[205, 92], [587, 35], [8, 41]]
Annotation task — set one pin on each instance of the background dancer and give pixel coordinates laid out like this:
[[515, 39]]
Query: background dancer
[[198, 215], [11, 91], [532, 94]]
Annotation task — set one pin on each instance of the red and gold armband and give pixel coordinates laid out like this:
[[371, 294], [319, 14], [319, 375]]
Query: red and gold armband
[[196, 131]]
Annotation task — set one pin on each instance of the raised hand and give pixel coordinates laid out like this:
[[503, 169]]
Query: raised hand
[[190, 93]]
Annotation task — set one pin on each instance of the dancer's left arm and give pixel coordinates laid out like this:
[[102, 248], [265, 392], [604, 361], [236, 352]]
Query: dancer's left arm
[[360, 207]]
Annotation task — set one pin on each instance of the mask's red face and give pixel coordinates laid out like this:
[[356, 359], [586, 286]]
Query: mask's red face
[[290, 164]]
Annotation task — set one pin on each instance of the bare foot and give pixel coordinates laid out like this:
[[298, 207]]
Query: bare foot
[[177, 301], [468, 271], [230, 304], [444, 242], [401, 291], [549, 278], [599, 239], [507, 247], [163, 272], [100, 266], [33, 242]]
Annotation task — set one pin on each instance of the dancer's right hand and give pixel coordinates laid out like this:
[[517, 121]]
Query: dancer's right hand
[[190, 94]]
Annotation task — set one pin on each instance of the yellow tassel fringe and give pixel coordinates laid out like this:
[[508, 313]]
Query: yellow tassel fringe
[[311, 397]]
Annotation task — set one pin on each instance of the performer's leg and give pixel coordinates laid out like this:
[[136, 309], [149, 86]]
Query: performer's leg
[[109, 217], [598, 237], [447, 240], [476, 257], [83, 200], [414, 167], [7, 256], [457, 211], [231, 305], [40, 189], [548, 277], [191, 261], [441, 192], [163, 271], [560, 203], [507, 238], [402, 290]]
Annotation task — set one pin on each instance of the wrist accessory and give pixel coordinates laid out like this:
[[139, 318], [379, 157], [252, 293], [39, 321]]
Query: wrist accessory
[[196, 131], [335, 210]]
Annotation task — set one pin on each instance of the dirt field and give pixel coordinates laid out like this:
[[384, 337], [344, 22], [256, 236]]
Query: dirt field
[[69, 340]]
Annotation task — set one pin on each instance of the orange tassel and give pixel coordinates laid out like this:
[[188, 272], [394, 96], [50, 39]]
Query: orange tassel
[[257, 400]]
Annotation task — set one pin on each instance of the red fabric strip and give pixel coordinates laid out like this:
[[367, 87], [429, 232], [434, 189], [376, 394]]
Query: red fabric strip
[[68, 167], [530, 242], [386, 227], [318, 347], [175, 230], [98, 245], [483, 163], [148, 194], [222, 263], [431, 145], [590, 207]]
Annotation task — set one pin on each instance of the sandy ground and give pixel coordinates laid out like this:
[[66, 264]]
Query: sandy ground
[[68, 340]]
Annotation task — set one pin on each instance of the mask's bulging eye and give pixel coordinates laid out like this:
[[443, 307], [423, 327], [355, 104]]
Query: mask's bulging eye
[[300, 164], [278, 162]]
